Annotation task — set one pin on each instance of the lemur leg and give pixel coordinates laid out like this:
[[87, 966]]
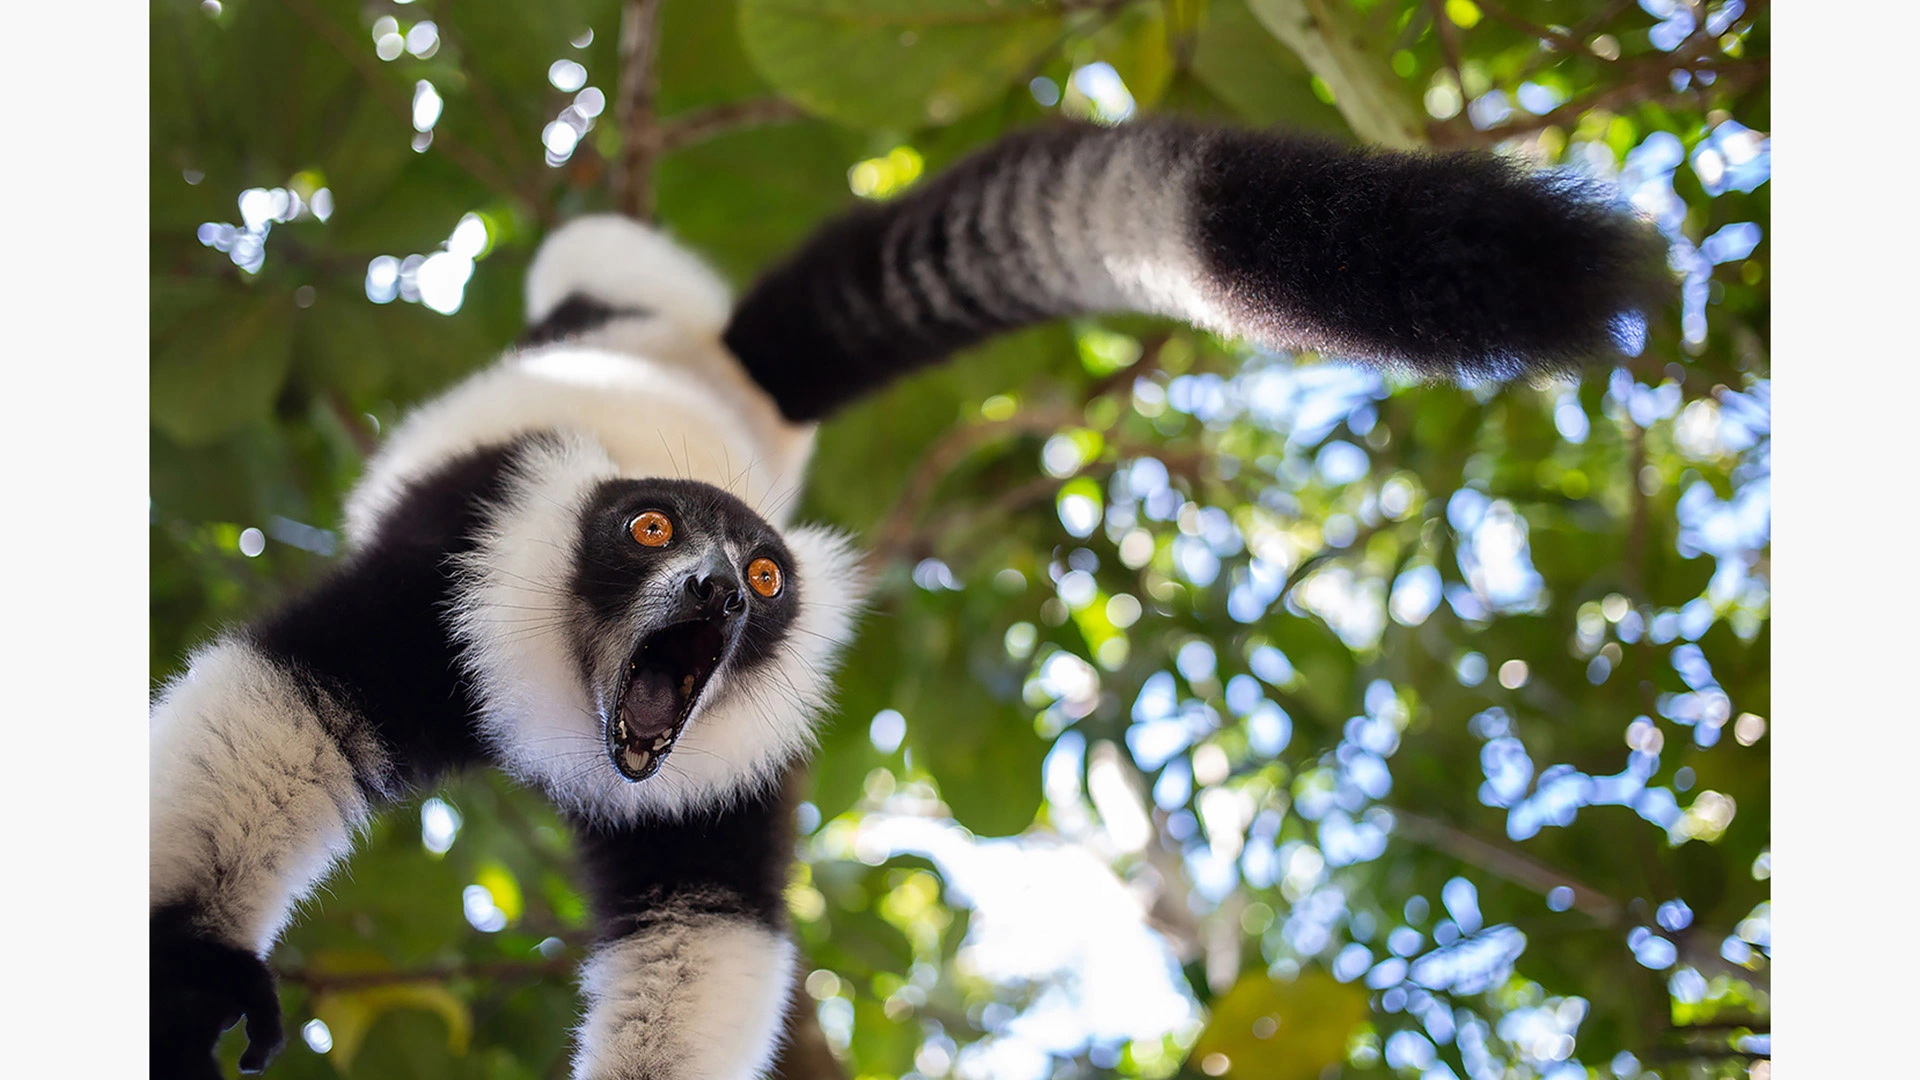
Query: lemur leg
[[688, 994], [279, 743], [259, 780], [695, 968], [258, 783]]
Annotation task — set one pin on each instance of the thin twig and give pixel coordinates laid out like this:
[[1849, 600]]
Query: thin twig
[[1507, 863], [486, 104], [1449, 42], [633, 111], [478, 165], [1578, 32], [890, 538], [1729, 77], [1320, 558], [320, 982], [709, 121], [1558, 38], [1151, 347], [356, 430]]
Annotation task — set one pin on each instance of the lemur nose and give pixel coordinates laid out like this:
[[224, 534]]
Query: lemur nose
[[708, 589]]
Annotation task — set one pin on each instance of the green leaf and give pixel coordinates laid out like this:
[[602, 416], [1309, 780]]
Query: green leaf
[[983, 753], [1310, 1019], [1135, 43], [895, 64], [1374, 100], [792, 175], [222, 365], [1241, 63]]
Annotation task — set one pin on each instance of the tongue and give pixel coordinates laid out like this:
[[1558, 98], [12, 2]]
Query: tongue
[[650, 704]]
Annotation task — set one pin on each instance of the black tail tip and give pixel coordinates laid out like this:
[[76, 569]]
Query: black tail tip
[[1459, 265]]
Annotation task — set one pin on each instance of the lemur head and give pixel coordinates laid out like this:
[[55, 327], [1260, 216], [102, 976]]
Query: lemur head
[[648, 646], [686, 597]]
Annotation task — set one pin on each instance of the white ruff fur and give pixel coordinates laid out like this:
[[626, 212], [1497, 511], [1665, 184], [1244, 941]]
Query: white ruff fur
[[252, 798], [699, 999], [652, 419], [541, 717]]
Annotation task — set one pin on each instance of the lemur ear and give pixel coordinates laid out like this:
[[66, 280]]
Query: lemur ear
[[1462, 264]]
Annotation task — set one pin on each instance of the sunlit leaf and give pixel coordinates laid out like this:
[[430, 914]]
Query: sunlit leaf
[[1269, 1029], [221, 366], [897, 64]]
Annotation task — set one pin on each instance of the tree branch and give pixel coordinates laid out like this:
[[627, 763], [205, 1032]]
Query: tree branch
[[1319, 558], [1730, 77], [484, 100], [1559, 39], [1449, 37], [892, 535], [1507, 863], [356, 430], [709, 121], [321, 982], [633, 109], [476, 164]]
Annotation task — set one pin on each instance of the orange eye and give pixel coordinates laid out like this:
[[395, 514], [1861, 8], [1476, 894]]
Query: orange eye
[[652, 529], [764, 576]]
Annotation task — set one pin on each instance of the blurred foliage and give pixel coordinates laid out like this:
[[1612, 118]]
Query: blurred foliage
[[1419, 691]]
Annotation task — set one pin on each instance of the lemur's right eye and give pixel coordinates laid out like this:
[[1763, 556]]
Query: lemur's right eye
[[652, 529]]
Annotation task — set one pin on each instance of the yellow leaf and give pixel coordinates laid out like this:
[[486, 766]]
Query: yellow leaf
[[1265, 1029], [350, 1014]]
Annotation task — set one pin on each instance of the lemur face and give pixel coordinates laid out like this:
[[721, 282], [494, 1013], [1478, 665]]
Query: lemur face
[[686, 594]]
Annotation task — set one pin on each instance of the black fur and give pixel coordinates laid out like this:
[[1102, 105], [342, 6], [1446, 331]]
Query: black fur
[[1450, 264], [373, 634], [577, 314], [199, 987], [731, 862]]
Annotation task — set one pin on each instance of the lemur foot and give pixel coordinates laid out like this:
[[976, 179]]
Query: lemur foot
[[199, 987]]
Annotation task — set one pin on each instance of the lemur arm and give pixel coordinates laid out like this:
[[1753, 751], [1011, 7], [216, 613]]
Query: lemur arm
[[1447, 264], [694, 967], [277, 745]]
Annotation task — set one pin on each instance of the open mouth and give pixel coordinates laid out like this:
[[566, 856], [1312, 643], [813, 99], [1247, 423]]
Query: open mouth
[[658, 690]]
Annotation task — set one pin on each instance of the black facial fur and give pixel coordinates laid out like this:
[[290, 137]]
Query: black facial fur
[[676, 614]]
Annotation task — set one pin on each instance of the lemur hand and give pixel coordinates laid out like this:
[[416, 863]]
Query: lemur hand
[[199, 988]]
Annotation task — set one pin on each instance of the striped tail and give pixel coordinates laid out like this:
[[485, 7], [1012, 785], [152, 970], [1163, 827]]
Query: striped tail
[[1449, 265]]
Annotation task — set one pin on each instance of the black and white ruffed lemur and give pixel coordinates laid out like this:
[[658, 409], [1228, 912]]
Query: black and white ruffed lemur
[[547, 572]]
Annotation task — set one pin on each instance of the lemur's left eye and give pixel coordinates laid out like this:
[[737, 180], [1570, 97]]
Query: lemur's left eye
[[652, 529], [764, 576]]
